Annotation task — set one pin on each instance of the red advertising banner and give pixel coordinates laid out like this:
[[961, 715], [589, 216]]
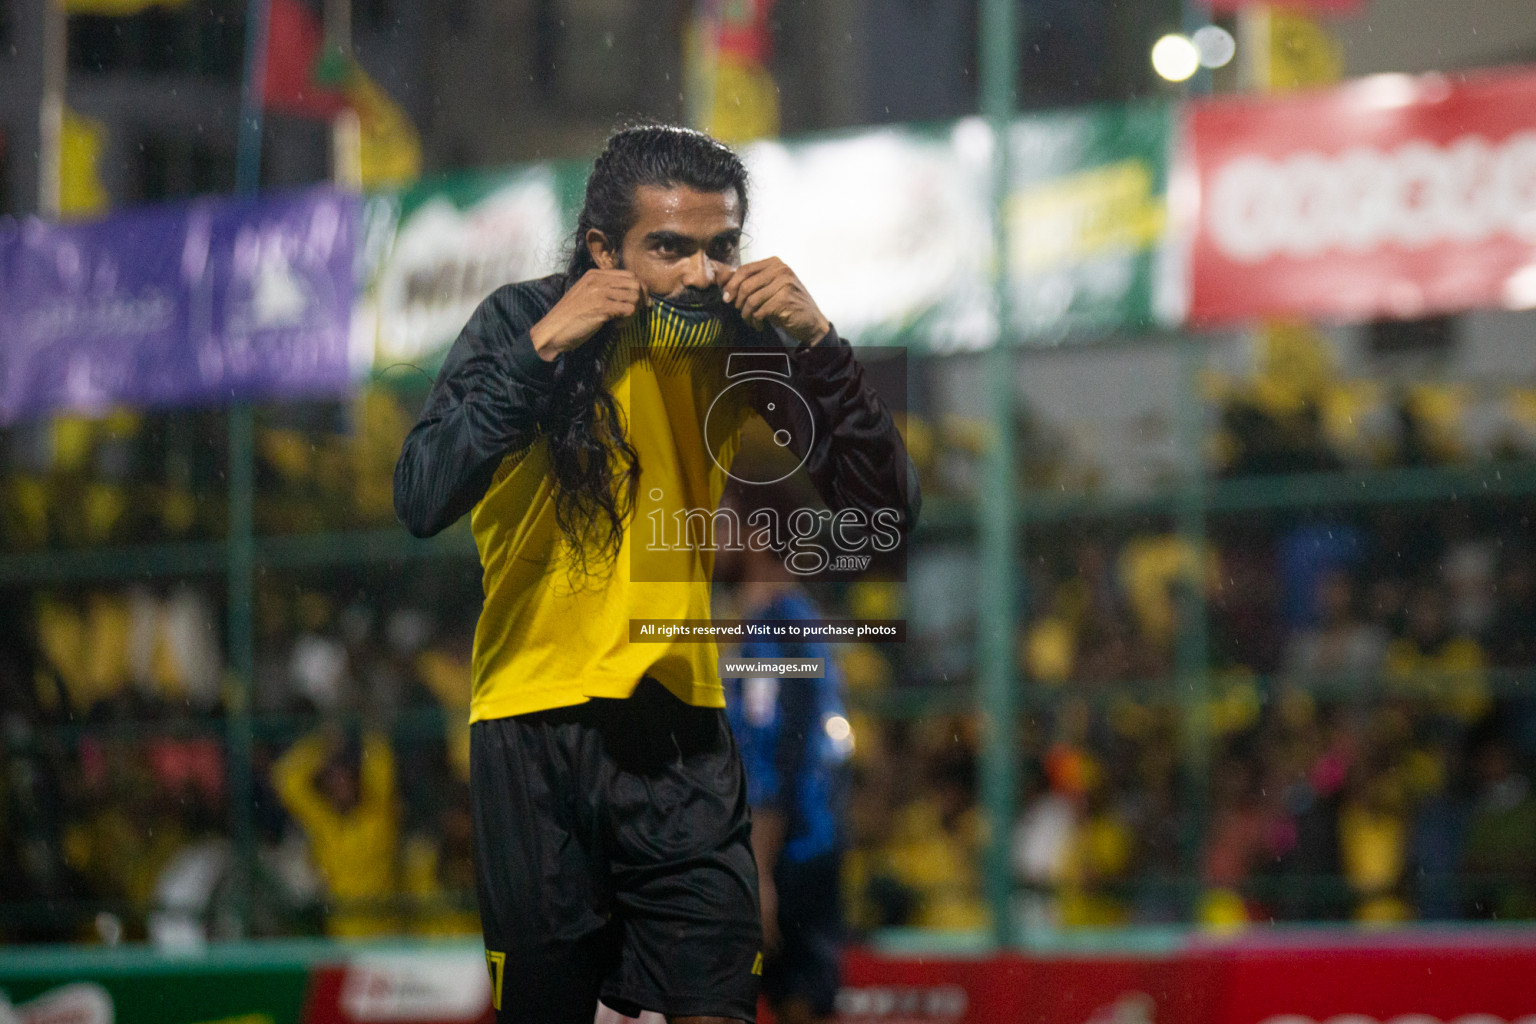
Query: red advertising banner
[[1010, 988], [1392, 196], [1460, 978]]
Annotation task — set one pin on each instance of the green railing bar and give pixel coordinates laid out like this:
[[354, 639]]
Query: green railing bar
[[390, 544], [1251, 494], [177, 558], [244, 955], [196, 558], [1301, 490], [1140, 940], [908, 702], [901, 703], [405, 725], [20, 962], [1375, 487]]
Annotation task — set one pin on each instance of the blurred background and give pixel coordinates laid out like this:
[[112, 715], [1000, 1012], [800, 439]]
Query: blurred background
[[1220, 381]]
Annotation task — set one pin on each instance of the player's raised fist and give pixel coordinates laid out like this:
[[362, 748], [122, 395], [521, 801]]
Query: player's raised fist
[[768, 292], [598, 297]]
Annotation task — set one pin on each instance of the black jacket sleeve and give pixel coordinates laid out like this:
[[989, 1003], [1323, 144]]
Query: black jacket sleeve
[[856, 457], [486, 403]]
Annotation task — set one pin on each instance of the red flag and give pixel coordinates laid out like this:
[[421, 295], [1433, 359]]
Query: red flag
[[295, 43], [745, 32]]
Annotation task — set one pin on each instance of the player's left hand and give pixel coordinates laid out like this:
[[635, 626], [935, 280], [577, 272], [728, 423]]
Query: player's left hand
[[768, 292]]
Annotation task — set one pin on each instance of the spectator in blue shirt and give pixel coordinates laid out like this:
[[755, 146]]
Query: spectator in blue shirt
[[794, 737]]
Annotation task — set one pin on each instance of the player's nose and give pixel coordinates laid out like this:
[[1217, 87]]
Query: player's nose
[[700, 272]]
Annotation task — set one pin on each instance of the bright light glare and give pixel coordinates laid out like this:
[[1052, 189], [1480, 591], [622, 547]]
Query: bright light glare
[[973, 138], [1520, 288], [1386, 92], [840, 732], [1175, 58], [1215, 46]]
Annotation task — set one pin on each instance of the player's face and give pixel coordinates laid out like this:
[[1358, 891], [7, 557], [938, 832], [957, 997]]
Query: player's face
[[681, 243]]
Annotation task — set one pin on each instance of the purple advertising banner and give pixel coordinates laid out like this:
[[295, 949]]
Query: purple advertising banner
[[212, 301]]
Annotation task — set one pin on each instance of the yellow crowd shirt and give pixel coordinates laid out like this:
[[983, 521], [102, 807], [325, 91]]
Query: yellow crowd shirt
[[353, 849]]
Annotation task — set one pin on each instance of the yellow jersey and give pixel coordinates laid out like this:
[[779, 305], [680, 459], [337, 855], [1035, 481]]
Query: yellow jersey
[[548, 637]]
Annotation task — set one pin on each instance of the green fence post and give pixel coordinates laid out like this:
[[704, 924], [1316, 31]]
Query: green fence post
[[1192, 658], [1192, 655], [240, 586], [240, 577], [997, 619]]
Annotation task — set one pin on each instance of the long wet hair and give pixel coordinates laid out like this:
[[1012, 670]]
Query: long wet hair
[[596, 469]]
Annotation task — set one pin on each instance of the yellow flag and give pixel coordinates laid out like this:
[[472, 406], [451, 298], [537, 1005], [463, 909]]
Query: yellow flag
[[117, 8], [1301, 52], [390, 145], [746, 102], [732, 94], [81, 141]]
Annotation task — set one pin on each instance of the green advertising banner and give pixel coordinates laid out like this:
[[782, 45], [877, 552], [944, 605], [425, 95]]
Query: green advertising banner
[[139, 989], [433, 252], [296, 981], [889, 228], [1087, 211]]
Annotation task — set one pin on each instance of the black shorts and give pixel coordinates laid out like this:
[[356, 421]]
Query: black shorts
[[806, 966], [613, 859]]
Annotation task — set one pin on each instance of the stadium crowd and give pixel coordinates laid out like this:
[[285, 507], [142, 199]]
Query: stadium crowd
[[1371, 750], [116, 818], [1370, 730], [1361, 746], [1361, 742]]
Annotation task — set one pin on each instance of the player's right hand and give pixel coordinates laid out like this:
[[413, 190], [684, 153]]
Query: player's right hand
[[598, 297]]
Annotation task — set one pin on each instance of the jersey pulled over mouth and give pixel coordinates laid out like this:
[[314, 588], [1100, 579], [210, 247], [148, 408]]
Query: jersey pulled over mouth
[[706, 299]]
